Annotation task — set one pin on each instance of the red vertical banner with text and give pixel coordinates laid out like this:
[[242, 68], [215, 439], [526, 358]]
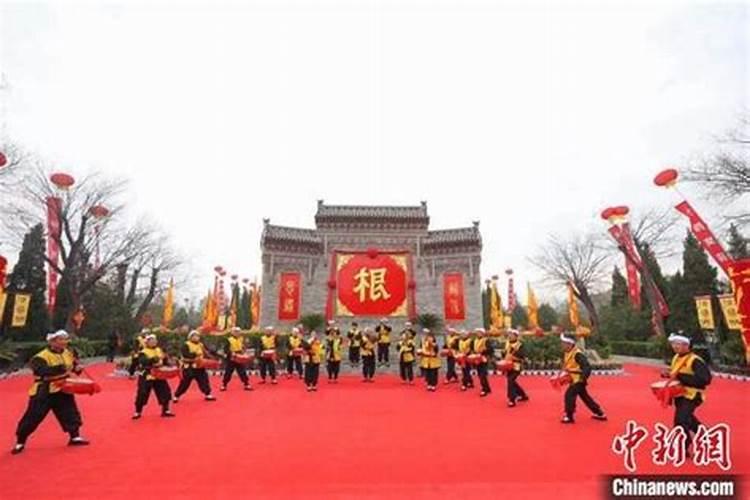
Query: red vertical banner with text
[[289, 296], [704, 235], [739, 274], [453, 296], [54, 209]]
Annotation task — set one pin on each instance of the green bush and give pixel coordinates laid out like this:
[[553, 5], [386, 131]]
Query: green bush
[[654, 348], [733, 351], [313, 322]]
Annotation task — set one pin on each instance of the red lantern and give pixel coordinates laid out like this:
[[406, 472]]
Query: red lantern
[[61, 180], [372, 252], [666, 178], [332, 284], [620, 211], [607, 213], [412, 285], [3, 160], [99, 211], [218, 269]]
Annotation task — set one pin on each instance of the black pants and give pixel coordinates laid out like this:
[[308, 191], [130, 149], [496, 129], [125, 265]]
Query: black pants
[[406, 370], [333, 367], [431, 376], [62, 405], [111, 351], [354, 355], [188, 374], [160, 388], [383, 353], [466, 379], [684, 414], [450, 373], [294, 363], [515, 390], [133, 364], [312, 372], [579, 390], [230, 368], [267, 366], [483, 380], [368, 366]]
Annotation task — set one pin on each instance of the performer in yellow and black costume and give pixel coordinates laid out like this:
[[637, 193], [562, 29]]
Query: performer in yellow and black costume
[[355, 340], [430, 361], [451, 345], [294, 361], [406, 356], [191, 354], [367, 350], [313, 356], [577, 366], [333, 354], [465, 344], [151, 356], [691, 371], [268, 365], [138, 344], [482, 347], [383, 331], [514, 353], [50, 366], [234, 345]]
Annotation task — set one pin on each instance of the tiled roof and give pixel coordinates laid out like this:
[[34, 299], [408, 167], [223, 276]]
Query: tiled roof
[[372, 213], [465, 236], [294, 236]]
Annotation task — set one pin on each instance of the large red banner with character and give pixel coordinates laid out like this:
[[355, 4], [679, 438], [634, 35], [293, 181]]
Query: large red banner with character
[[371, 284], [453, 297], [739, 273], [704, 235], [289, 296], [54, 209]]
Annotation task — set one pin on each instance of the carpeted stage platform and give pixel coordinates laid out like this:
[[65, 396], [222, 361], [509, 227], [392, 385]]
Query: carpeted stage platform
[[350, 440]]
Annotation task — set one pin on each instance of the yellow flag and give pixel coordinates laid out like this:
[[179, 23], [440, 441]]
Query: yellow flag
[[533, 307], [3, 298], [728, 307], [705, 312], [497, 321], [168, 305], [20, 309], [575, 319]]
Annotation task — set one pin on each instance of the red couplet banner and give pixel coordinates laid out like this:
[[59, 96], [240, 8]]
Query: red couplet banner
[[54, 209], [704, 235], [453, 296], [289, 296], [371, 284], [739, 273]]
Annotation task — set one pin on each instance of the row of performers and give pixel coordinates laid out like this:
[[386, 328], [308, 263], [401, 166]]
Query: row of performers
[[56, 365]]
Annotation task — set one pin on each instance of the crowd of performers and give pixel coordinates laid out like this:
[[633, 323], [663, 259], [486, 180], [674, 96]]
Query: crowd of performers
[[466, 354]]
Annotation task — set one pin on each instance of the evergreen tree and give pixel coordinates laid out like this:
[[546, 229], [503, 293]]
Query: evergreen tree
[[519, 317], [649, 260], [486, 308], [29, 276], [548, 317], [243, 315], [737, 244], [619, 289]]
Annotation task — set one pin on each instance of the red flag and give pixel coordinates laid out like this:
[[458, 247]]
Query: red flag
[[739, 274], [705, 236], [453, 296], [54, 208]]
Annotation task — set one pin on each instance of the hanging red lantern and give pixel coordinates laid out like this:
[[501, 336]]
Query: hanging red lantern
[[218, 269], [61, 180], [412, 285], [620, 211], [332, 284], [372, 252], [3, 159], [99, 211], [607, 213], [666, 178]]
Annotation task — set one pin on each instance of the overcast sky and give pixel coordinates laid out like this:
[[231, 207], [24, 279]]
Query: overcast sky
[[528, 116]]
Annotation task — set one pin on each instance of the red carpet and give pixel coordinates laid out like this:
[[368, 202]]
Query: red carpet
[[350, 440]]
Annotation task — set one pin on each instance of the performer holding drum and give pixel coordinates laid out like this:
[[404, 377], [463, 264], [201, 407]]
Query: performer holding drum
[[511, 365], [430, 361], [482, 353], [268, 355], [368, 355], [294, 355], [383, 330], [355, 340], [313, 354], [194, 359], [691, 372], [236, 359], [138, 344], [152, 363], [333, 355], [577, 367], [406, 357], [464, 351], [51, 366], [450, 347]]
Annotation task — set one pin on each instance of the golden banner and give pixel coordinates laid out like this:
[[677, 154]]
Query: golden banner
[[3, 298], [705, 312], [729, 308], [20, 309]]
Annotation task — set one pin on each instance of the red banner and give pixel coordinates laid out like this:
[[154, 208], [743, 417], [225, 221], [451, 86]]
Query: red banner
[[371, 284], [54, 209], [453, 296], [3, 265], [705, 236], [634, 283], [739, 274], [289, 296]]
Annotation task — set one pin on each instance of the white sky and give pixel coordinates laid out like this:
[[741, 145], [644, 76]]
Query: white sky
[[529, 116]]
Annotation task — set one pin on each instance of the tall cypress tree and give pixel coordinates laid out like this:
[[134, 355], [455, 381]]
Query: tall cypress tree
[[619, 288], [29, 276], [243, 315], [737, 244], [649, 260]]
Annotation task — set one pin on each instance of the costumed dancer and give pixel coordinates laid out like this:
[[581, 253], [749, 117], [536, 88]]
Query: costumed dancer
[[333, 355], [268, 355], [691, 371], [483, 348], [234, 345], [430, 361], [368, 355], [51, 366], [406, 356], [578, 368], [151, 356], [464, 350], [138, 344], [313, 354], [192, 354], [383, 331], [355, 340], [294, 356], [514, 353], [451, 345]]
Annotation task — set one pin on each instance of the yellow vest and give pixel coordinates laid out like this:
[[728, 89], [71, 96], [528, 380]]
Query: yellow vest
[[451, 341], [384, 336], [511, 348], [406, 350], [430, 358], [335, 354], [480, 345], [356, 338], [314, 354], [268, 342], [194, 348], [52, 359], [464, 346], [153, 353], [684, 364], [294, 342], [571, 366], [236, 344], [368, 347]]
